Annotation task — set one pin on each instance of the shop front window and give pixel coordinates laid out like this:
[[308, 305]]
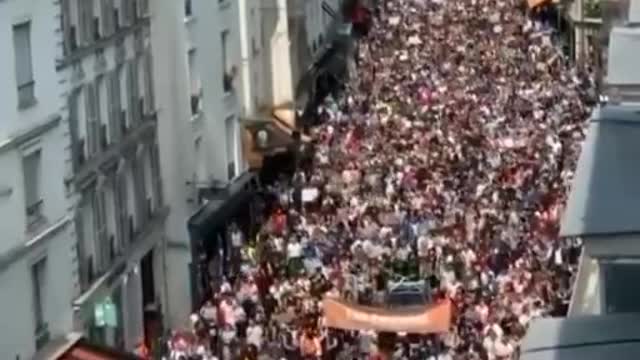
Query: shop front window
[[105, 325]]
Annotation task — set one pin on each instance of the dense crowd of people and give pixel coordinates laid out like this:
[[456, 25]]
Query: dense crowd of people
[[448, 159]]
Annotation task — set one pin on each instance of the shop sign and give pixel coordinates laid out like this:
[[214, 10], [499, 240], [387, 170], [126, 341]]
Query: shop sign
[[105, 313]]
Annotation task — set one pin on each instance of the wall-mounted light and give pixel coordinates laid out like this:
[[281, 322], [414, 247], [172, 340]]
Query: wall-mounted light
[[262, 140]]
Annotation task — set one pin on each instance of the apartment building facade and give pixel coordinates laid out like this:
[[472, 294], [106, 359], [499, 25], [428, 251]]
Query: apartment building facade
[[113, 183], [36, 248]]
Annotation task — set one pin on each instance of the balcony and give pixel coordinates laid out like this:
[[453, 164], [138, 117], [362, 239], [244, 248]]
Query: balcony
[[76, 51], [86, 170]]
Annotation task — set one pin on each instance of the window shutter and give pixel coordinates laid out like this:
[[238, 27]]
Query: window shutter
[[118, 206], [106, 18], [125, 9], [115, 103], [133, 96], [123, 209], [136, 88], [93, 203], [104, 238], [66, 25], [148, 75], [88, 22], [98, 91], [89, 117], [110, 107], [82, 22]]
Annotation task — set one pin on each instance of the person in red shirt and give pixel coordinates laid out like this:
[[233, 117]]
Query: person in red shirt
[[142, 350]]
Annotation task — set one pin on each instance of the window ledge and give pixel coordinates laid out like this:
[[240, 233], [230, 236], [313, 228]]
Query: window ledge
[[27, 104]]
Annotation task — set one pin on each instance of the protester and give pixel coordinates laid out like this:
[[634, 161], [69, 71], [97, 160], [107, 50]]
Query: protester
[[447, 158]]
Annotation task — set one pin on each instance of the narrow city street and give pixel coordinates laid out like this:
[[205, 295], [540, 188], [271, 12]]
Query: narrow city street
[[441, 168]]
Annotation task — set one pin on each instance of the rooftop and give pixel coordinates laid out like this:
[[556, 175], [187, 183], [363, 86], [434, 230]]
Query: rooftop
[[583, 337], [624, 55], [605, 198]]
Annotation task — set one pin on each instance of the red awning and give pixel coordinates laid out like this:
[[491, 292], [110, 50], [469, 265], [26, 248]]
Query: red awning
[[535, 3], [431, 319], [85, 351]]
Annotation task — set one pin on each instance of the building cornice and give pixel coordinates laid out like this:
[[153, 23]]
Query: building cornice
[[18, 252], [26, 135]]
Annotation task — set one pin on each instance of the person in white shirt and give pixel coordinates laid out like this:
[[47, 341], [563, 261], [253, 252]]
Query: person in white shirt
[[294, 249], [254, 334], [208, 312], [294, 257]]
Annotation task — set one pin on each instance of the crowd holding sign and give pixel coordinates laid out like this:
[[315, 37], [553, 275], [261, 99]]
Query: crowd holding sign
[[447, 158]]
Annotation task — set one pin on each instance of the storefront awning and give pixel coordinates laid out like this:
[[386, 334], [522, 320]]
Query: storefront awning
[[215, 212], [604, 191], [537, 3], [85, 351], [591, 337], [264, 137], [332, 58], [267, 136], [432, 319], [74, 347]]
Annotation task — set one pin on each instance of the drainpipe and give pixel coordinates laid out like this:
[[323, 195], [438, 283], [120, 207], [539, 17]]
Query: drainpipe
[[245, 53]]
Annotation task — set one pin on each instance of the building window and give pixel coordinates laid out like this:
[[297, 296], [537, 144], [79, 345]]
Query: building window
[[91, 118], [618, 298], [148, 83], [188, 11], [24, 65], [39, 283], [127, 10], [227, 70], [230, 138], [254, 47], [85, 21], [32, 170], [196, 90], [106, 9], [133, 91]]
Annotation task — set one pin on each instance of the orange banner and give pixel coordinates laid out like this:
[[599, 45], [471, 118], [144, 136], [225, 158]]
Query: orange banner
[[536, 3], [431, 319]]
